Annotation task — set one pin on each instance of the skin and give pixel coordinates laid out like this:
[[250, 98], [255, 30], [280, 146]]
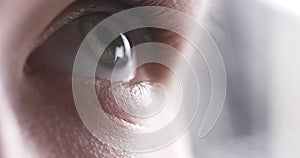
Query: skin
[[38, 117]]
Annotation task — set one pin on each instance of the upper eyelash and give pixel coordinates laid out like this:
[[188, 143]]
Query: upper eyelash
[[81, 8]]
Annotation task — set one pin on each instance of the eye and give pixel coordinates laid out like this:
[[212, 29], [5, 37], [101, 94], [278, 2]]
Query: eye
[[55, 57], [57, 54], [62, 39]]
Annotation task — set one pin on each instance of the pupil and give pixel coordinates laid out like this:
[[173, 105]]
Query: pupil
[[118, 51]]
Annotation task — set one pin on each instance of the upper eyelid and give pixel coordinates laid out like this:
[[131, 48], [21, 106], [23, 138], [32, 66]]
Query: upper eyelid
[[74, 11], [84, 7], [81, 7]]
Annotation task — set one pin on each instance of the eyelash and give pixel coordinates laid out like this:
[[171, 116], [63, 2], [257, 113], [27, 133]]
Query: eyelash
[[85, 7], [76, 11]]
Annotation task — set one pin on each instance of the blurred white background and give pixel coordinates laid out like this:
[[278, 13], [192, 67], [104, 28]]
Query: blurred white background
[[259, 41]]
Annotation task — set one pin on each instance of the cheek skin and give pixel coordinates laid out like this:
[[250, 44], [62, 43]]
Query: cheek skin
[[50, 120]]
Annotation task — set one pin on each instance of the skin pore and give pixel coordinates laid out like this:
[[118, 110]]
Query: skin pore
[[38, 117]]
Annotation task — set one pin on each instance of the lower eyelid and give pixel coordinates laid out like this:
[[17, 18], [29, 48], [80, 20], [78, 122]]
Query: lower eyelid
[[130, 96], [108, 103]]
